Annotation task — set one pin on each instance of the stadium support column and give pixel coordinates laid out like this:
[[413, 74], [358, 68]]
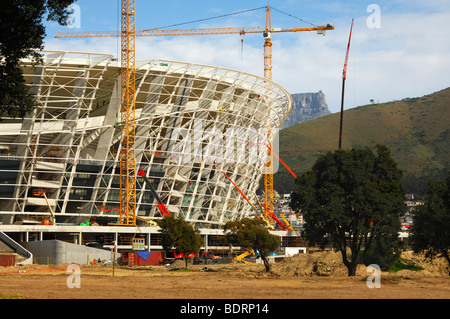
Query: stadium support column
[[22, 142]]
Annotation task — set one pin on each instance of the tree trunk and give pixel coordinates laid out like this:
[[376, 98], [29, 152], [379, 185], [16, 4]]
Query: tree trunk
[[447, 258], [266, 262], [351, 269], [351, 265]]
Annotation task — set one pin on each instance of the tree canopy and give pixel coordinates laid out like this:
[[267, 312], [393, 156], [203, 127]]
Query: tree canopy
[[22, 34], [431, 231], [252, 234], [349, 199], [180, 235]]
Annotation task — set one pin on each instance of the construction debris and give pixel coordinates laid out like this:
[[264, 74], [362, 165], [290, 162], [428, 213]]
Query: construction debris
[[329, 263], [320, 263], [177, 264]]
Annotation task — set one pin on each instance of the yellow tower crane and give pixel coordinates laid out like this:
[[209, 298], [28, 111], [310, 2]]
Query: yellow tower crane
[[127, 112], [127, 212], [128, 33]]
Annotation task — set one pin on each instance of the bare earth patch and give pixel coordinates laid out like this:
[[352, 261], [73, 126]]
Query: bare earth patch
[[305, 276]]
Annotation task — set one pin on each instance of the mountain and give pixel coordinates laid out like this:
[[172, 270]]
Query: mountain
[[305, 107], [417, 130]]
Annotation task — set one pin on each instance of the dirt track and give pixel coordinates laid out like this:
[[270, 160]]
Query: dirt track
[[292, 279]]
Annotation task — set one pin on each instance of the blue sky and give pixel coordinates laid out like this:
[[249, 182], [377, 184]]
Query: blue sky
[[399, 49]]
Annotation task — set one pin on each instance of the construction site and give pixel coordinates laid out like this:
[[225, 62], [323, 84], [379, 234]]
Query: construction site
[[116, 144]]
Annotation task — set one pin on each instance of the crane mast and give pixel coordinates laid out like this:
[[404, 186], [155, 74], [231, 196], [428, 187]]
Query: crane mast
[[268, 46], [268, 166], [127, 112]]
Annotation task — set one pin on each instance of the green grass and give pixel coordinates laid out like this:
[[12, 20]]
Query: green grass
[[403, 264], [181, 269], [16, 296]]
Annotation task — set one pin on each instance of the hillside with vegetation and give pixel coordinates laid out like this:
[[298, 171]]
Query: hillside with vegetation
[[417, 130]]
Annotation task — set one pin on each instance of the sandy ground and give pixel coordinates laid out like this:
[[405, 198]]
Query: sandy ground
[[306, 276]]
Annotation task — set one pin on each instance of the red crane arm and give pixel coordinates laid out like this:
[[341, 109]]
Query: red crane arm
[[344, 73]]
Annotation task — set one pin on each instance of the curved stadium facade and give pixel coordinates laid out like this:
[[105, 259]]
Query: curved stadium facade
[[193, 123]]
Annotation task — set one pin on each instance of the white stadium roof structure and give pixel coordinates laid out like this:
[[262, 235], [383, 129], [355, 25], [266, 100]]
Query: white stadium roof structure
[[193, 122]]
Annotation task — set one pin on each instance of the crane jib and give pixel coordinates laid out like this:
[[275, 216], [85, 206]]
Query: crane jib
[[181, 32]]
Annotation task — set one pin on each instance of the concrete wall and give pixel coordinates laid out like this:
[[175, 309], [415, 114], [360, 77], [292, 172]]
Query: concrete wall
[[291, 251], [59, 252]]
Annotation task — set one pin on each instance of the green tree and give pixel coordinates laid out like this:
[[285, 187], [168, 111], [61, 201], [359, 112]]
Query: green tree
[[431, 231], [21, 33], [252, 234], [384, 251], [351, 199], [180, 235]]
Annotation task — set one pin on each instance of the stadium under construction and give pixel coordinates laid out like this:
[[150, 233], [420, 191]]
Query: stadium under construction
[[200, 138]]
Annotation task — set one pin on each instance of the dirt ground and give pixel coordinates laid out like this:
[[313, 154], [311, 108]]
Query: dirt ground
[[304, 276]]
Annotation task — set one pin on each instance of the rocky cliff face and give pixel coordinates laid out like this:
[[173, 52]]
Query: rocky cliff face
[[306, 106]]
